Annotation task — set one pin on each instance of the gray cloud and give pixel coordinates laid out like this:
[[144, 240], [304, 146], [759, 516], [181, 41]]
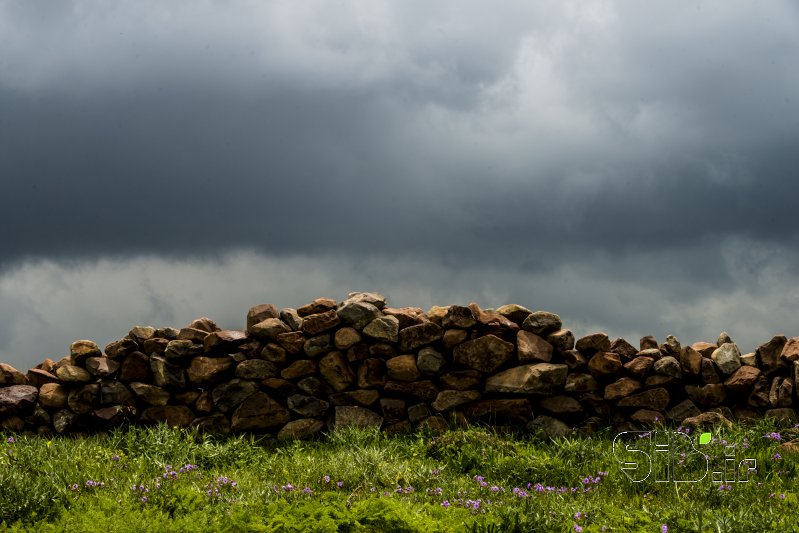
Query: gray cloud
[[644, 148]]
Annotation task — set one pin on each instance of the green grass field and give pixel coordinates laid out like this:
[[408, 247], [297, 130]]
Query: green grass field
[[162, 479]]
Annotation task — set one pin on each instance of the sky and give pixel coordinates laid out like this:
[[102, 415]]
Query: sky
[[631, 166]]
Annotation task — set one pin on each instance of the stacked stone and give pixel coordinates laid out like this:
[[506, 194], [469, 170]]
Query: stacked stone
[[296, 372]]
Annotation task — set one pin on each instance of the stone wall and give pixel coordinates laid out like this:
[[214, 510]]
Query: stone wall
[[296, 372]]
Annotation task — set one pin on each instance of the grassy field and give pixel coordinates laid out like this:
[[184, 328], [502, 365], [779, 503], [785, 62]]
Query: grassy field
[[162, 479]]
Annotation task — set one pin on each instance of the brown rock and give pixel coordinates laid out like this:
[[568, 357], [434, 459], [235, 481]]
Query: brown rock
[[383, 328], [541, 378], [668, 366], [436, 314], [691, 361], [709, 373], [102, 367], [204, 402], [121, 348], [769, 354], [783, 416], [299, 368], [114, 415], [180, 350], [206, 370], [188, 397], [790, 352], [257, 369], [621, 389], [453, 337], [461, 379], [760, 393], [193, 335], [659, 380], [269, 329], [414, 337], [573, 359], [150, 394], [430, 361], [648, 343], [532, 348], [514, 411], [216, 424], [418, 412], [407, 316], [708, 419], [435, 423], [514, 312], [225, 340], [17, 399], [353, 416], [171, 415], [302, 429], [459, 316], [82, 400], [372, 373], [291, 318], [449, 399], [647, 417], [274, 353], [115, 393], [38, 377], [605, 365], [11, 376], [383, 350], [73, 374], [64, 421], [361, 397], [743, 379], [357, 314], [53, 395], [561, 340], [135, 367], [550, 427], [705, 349], [394, 409], [781, 392], [293, 341], [307, 406], [314, 386], [166, 374], [654, 399], [232, 393], [424, 390], [561, 405], [683, 410], [484, 354], [346, 338], [709, 395], [259, 313], [320, 305], [593, 343], [204, 324], [80, 350], [542, 323], [334, 368], [319, 345], [320, 322], [625, 350], [580, 383], [402, 368]]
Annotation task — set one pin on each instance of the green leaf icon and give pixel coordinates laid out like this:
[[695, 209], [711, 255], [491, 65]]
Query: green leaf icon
[[704, 438]]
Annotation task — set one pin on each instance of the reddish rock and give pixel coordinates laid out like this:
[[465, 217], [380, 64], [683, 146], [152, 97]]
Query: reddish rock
[[414, 337], [621, 389], [38, 377], [790, 352], [320, 322], [102, 367], [224, 340], [625, 350], [319, 305], [574, 359], [336, 371], [484, 354], [691, 361], [532, 348], [204, 324], [593, 343], [604, 365], [382, 350], [204, 370], [359, 352], [709, 395], [17, 399], [743, 379], [493, 322], [654, 399], [259, 313], [402, 368], [171, 415]]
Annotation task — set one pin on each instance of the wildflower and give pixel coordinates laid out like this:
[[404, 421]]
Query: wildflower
[[307, 490], [436, 472], [445, 504], [12, 440], [479, 479], [771, 495], [326, 478], [144, 499], [577, 515], [664, 528], [115, 458], [782, 496], [339, 484], [773, 436], [776, 457], [494, 489], [577, 528]]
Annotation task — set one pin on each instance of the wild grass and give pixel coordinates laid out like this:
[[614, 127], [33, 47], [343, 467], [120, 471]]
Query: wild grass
[[165, 479]]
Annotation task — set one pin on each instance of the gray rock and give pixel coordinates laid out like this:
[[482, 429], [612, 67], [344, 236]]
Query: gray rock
[[383, 328], [542, 323], [727, 358]]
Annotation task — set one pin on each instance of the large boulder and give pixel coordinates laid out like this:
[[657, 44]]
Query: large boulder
[[17, 399], [541, 378], [259, 412], [484, 354]]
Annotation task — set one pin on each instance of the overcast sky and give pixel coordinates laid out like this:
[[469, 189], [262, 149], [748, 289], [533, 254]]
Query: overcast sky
[[631, 166]]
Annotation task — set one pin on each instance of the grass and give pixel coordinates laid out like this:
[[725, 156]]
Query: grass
[[163, 479]]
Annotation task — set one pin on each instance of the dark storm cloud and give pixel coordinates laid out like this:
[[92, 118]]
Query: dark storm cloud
[[648, 148]]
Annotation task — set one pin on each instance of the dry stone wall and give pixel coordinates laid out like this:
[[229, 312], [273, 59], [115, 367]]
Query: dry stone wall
[[294, 373]]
